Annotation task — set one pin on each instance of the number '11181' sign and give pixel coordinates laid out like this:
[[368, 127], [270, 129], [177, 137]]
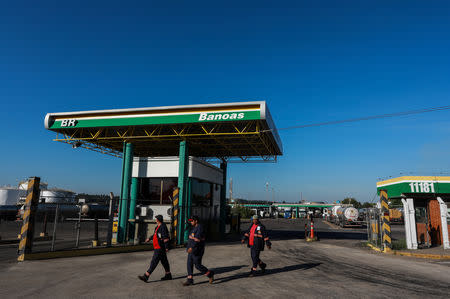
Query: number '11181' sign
[[422, 187]]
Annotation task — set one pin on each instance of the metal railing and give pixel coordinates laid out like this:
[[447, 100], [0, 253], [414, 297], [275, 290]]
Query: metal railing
[[374, 227]]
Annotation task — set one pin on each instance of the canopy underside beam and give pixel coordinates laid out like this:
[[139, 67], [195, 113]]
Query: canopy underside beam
[[246, 141], [242, 131]]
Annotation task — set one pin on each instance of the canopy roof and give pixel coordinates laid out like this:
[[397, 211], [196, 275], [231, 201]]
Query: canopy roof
[[304, 205], [244, 130], [414, 186]]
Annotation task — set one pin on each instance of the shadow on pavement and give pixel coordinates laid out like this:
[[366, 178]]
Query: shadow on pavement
[[218, 270], [343, 235], [305, 266], [292, 234]]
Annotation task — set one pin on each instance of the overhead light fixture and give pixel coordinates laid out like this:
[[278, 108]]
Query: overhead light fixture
[[76, 144]]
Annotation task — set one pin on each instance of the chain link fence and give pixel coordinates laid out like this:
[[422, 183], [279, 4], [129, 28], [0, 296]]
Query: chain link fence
[[60, 227], [374, 227], [63, 227]]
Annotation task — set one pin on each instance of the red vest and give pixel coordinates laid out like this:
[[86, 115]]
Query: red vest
[[252, 234], [155, 239]]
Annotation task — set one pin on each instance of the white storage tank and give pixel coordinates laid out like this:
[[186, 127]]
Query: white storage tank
[[57, 196], [9, 196]]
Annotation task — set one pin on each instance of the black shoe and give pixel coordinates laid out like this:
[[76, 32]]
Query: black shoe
[[263, 267], [211, 276], [252, 273], [188, 282], [167, 277], [144, 277]]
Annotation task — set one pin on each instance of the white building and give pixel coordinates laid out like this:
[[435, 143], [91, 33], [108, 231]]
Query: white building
[[159, 176]]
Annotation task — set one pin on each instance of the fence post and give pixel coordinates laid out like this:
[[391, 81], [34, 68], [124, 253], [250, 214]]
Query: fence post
[[175, 214], [386, 231], [54, 227], [367, 226], [111, 217], [27, 231], [95, 243], [44, 229], [78, 229]]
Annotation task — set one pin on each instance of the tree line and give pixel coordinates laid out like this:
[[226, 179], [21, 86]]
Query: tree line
[[356, 204]]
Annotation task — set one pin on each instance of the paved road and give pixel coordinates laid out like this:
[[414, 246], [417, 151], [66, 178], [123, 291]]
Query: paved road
[[337, 266]]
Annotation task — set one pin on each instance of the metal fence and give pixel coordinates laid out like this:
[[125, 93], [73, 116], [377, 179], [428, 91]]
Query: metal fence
[[61, 227], [9, 230], [374, 227], [65, 227]]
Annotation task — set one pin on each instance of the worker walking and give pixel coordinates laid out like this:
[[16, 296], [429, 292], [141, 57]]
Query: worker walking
[[195, 250], [256, 236], [160, 248]]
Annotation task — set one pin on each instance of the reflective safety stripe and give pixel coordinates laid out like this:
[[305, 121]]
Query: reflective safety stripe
[[252, 234], [155, 239]]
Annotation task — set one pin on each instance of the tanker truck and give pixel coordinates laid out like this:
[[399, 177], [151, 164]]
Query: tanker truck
[[333, 215], [347, 216]]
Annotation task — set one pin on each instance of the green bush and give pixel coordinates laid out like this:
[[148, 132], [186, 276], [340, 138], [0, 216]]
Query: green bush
[[399, 244], [245, 212]]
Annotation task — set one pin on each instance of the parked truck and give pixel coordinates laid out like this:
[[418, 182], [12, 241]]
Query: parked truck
[[347, 217], [396, 215]]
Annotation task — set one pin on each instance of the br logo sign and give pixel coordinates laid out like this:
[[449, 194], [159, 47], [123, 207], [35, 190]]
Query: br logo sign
[[69, 123]]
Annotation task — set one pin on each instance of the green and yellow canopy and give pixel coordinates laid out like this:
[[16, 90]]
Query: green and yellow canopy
[[244, 130], [408, 185]]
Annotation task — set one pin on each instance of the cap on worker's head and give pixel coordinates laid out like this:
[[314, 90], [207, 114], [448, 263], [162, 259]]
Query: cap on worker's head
[[255, 217], [159, 218], [193, 218]]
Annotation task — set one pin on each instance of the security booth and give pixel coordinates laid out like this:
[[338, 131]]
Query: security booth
[[156, 180], [186, 147], [426, 207]]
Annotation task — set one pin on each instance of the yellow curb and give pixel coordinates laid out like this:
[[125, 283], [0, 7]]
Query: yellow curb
[[423, 255], [411, 254], [84, 252], [308, 239], [374, 247]]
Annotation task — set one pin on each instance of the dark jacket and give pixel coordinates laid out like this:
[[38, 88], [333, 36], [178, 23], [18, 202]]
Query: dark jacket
[[259, 238], [163, 233], [198, 248]]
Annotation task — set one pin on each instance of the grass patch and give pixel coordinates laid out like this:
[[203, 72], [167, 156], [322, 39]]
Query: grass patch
[[399, 244]]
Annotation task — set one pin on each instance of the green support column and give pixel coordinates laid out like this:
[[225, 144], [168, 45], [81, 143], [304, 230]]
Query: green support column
[[223, 199], [188, 209], [182, 184], [132, 214], [125, 196], [124, 150], [296, 212]]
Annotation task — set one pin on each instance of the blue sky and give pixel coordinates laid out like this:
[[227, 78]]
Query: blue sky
[[312, 61]]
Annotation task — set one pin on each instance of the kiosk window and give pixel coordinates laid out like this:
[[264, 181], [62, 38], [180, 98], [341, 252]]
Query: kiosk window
[[201, 193], [156, 190], [421, 215]]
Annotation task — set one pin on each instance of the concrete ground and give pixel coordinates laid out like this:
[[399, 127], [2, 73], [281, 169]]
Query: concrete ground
[[337, 266]]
